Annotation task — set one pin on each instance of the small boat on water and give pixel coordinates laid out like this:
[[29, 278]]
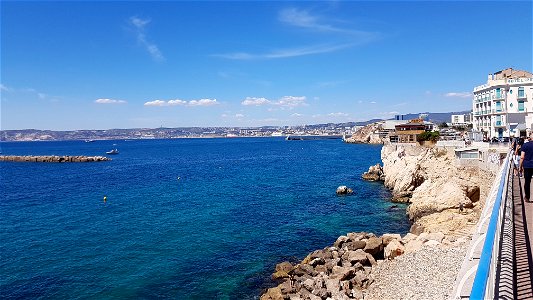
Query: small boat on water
[[89, 141], [114, 151]]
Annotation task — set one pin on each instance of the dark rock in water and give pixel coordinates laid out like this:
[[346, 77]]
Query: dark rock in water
[[375, 173], [392, 208], [344, 190]]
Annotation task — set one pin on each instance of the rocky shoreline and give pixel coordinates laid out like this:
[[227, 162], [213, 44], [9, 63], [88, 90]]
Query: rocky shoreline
[[444, 205], [52, 158]]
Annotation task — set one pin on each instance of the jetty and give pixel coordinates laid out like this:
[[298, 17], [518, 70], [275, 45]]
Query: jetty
[[52, 158]]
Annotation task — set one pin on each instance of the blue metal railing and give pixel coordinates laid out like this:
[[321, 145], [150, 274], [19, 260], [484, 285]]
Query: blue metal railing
[[479, 287]]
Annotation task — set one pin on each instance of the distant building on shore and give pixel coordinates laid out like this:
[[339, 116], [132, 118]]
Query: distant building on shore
[[461, 120], [504, 105], [407, 132]]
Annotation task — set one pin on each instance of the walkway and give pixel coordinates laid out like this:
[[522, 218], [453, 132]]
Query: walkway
[[515, 279]]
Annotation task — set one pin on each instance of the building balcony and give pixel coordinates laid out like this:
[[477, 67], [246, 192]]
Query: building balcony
[[498, 110], [499, 124], [498, 97]]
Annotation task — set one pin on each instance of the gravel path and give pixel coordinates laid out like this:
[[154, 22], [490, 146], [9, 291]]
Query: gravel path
[[428, 273]]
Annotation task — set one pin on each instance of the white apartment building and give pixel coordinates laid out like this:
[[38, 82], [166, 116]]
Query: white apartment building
[[503, 107], [461, 120]]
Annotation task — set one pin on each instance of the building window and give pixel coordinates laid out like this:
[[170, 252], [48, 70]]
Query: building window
[[511, 91], [498, 93], [520, 105], [521, 92]]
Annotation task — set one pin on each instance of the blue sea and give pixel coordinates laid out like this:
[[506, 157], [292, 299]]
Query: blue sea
[[184, 218]]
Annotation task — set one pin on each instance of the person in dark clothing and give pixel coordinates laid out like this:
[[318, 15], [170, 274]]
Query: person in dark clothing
[[526, 166]]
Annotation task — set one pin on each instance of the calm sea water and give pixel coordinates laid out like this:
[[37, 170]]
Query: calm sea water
[[239, 207]]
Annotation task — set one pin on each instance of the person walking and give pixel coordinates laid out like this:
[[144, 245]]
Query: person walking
[[526, 166]]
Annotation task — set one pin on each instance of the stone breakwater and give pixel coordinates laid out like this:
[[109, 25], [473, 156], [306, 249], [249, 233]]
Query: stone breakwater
[[52, 158]]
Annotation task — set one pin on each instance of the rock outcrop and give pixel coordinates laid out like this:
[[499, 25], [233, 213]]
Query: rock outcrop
[[53, 158], [367, 135], [375, 173], [435, 187]]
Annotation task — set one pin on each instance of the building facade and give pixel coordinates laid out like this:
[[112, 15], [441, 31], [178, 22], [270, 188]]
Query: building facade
[[461, 120], [503, 107], [407, 132]]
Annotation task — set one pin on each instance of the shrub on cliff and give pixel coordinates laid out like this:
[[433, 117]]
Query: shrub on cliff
[[428, 136]]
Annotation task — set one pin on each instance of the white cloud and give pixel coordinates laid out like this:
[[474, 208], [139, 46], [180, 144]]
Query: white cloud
[[156, 103], [255, 101], [109, 101], [373, 102], [289, 102], [459, 94], [296, 115], [338, 114], [139, 25], [178, 102], [239, 116], [41, 95], [203, 102], [389, 113]]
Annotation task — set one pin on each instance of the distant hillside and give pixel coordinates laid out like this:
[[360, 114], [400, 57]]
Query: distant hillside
[[436, 118]]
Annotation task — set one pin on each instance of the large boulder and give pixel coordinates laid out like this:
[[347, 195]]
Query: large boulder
[[394, 249], [273, 294], [374, 246], [282, 270]]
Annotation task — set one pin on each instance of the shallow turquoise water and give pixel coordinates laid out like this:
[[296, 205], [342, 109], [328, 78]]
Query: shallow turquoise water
[[239, 207]]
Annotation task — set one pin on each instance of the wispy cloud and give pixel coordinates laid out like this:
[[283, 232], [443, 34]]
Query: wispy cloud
[[459, 94], [304, 19], [296, 115], [109, 101], [289, 102], [4, 88], [285, 53], [179, 102], [139, 26]]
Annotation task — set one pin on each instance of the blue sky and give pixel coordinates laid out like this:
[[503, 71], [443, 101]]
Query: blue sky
[[101, 65]]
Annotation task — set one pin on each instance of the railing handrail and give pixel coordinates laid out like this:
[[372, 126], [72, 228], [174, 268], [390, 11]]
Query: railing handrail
[[479, 286]]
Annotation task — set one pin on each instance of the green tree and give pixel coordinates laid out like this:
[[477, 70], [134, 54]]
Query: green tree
[[428, 136]]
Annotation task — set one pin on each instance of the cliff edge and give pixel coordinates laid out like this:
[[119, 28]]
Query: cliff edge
[[443, 196]]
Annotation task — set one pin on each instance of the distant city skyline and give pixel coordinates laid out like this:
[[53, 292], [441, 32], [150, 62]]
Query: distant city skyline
[[103, 65]]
